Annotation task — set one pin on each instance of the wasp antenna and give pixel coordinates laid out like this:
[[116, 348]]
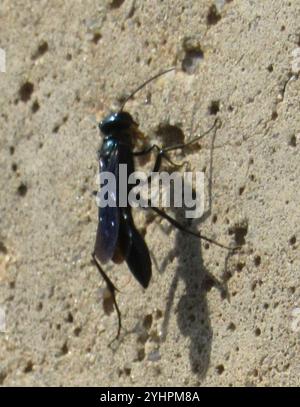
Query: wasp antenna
[[146, 83]]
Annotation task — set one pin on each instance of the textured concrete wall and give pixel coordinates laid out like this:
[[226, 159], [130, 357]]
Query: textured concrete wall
[[207, 318]]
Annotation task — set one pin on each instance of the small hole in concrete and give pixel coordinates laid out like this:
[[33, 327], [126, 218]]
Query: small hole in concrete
[[241, 190], [70, 318], [56, 129], [96, 38], [64, 349], [35, 107], [213, 17], [270, 68], [220, 369], [257, 261], [3, 248], [141, 354], [127, 371], [231, 326], [42, 49], [22, 190], [214, 107], [29, 367], [116, 3], [257, 332], [254, 284], [2, 377], [77, 331], [191, 60], [158, 314], [148, 321], [293, 141], [39, 306], [293, 240], [240, 266], [26, 91], [12, 284]]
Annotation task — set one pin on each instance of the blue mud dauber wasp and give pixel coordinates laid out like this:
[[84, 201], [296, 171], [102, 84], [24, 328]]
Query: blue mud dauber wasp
[[117, 237]]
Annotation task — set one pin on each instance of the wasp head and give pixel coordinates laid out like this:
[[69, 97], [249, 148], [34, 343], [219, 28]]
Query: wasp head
[[116, 123]]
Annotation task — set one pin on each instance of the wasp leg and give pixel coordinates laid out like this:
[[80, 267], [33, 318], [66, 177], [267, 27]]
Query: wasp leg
[[146, 150], [112, 289], [163, 150], [190, 232], [175, 222], [161, 154], [217, 124], [157, 165]]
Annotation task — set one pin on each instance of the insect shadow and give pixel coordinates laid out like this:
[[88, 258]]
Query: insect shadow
[[192, 309]]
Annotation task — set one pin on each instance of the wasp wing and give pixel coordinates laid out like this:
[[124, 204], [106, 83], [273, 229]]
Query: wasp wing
[[134, 248], [108, 216]]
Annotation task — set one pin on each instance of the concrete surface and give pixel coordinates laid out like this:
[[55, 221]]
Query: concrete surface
[[207, 318]]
